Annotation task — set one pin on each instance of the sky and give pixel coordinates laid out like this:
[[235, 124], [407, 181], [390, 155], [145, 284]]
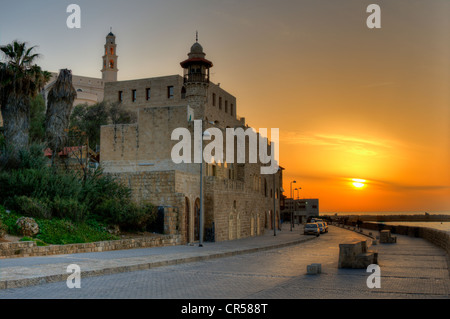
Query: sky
[[350, 102]]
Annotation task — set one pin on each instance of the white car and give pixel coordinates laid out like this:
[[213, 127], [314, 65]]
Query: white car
[[311, 228]]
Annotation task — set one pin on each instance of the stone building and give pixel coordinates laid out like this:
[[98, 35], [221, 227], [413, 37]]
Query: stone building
[[239, 201], [300, 209]]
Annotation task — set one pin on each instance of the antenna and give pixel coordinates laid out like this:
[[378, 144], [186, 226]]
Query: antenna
[[196, 36]]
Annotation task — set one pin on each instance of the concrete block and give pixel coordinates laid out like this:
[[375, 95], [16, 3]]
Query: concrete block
[[313, 269]]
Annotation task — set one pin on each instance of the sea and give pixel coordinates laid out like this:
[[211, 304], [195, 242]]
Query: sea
[[445, 226]]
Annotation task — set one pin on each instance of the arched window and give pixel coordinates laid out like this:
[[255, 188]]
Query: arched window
[[112, 51], [183, 92], [111, 64]]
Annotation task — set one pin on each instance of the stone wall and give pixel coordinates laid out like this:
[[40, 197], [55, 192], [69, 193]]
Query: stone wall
[[28, 249], [437, 237]]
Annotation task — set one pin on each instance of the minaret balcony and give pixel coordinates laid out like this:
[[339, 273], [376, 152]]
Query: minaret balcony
[[196, 78]]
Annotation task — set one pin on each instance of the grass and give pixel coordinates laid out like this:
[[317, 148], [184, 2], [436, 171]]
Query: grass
[[58, 231]]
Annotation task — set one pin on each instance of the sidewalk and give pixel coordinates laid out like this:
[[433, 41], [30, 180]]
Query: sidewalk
[[30, 271]]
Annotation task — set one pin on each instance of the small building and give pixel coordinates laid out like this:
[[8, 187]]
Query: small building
[[300, 209]]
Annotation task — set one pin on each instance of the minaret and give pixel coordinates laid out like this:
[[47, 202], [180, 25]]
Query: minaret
[[196, 79], [109, 70]]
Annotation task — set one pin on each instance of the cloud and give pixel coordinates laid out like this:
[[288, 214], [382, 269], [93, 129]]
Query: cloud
[[389, 185], [352, 144]]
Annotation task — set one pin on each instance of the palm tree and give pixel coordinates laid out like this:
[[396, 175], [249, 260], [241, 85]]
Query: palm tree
[[59, 107], [20, 80]]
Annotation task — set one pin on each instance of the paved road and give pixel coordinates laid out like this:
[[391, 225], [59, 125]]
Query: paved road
[[412, 268]]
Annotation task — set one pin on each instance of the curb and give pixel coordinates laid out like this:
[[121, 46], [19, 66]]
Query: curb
[[39, 280]]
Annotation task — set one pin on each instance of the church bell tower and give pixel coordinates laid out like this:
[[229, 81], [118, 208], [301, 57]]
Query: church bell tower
[[109, 70]]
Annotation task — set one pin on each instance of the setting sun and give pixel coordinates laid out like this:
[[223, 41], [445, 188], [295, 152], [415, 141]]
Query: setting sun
[[358, 183]]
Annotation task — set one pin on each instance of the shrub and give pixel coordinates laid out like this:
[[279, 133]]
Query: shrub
[[32, 207], [3, 229], [69, 209], [63, 232], [128, 215], [9, 221]]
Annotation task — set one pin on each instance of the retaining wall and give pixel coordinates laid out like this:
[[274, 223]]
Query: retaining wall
[[29, 249], [437, 237]]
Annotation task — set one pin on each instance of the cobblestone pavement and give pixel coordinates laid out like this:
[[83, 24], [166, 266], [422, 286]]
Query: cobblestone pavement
[[411, 268]]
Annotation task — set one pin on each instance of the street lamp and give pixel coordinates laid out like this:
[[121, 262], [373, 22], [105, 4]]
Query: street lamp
[[292, 212], [207, 134]]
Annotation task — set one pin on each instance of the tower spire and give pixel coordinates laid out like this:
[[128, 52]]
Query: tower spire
[[196, 36]]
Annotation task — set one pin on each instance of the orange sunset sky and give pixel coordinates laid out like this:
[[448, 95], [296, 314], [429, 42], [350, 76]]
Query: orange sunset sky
[[350, 102]]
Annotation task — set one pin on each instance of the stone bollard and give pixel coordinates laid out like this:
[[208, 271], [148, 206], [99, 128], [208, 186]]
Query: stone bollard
[[386, 238], [314, 269]]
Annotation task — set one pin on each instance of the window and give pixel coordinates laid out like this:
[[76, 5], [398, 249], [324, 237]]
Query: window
[[112, 51], [214, 99], [183, 92], [170, 92], [226, 106], [111, 64], [220, 103], [232, 110], [147, 94], [133, 96], [120, 96]]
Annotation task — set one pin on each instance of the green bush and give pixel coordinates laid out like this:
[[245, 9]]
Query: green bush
[[32, 207], [69, 208], [9, 221], [129, 216], [63, 232]]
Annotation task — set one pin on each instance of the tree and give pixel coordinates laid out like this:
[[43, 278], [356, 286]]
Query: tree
[[20, 80], [88, 119], [59, 107], [37, 120]]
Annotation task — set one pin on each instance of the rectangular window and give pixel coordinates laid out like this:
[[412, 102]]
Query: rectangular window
[[133, 96], [170, 92], [226, 106], [147, 94], [214, 99], [232, 110], [120, 96], [220, 103]]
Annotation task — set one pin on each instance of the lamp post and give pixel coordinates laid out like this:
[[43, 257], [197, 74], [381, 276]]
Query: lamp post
[[298, 197], [274, 207], [201, 189], [293, 202]]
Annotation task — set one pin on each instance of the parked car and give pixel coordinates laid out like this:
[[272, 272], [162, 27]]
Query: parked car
[[321, 227], [325, 224], [311, 228]]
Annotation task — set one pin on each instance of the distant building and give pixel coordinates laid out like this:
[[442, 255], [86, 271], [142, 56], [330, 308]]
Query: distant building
[[300, 209]]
